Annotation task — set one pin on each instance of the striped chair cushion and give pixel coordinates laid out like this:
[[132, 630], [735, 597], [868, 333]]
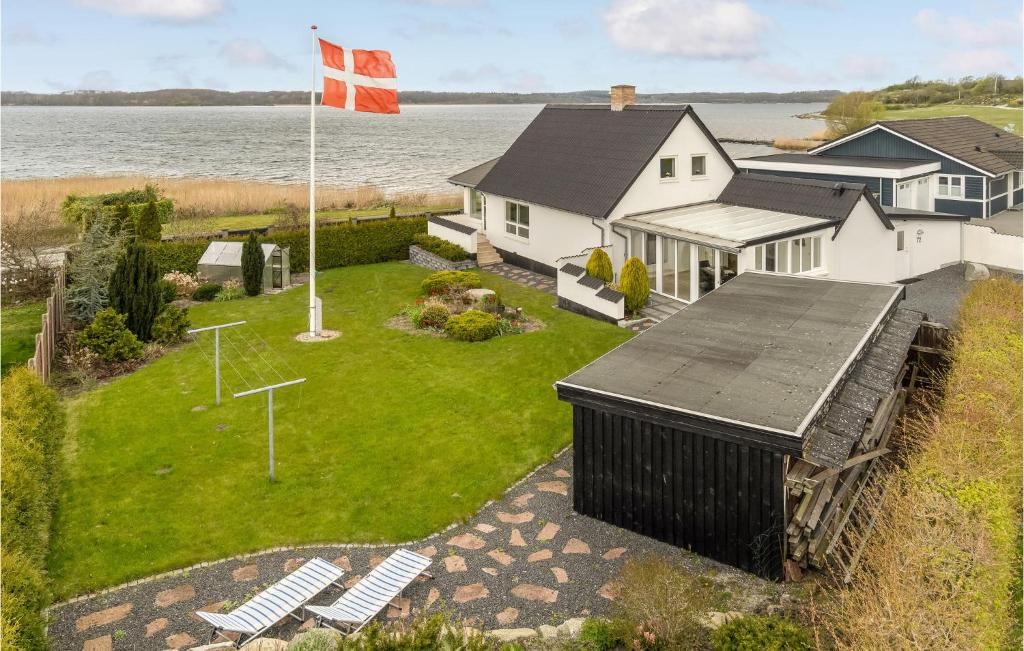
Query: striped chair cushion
[[375, 590]]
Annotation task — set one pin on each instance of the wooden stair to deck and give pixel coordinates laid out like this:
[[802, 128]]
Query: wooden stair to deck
[[486, 254]]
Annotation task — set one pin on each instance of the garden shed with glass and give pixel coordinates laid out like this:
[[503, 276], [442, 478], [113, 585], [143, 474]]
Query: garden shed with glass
[[222, 261]]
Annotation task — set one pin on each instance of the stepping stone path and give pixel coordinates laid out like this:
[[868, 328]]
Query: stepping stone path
[[512, 565]]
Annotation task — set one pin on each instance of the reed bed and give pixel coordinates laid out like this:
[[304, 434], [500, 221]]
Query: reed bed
[[207, 197], [943, 566]]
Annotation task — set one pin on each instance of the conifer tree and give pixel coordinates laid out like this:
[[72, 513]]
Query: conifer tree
[[252, 265], [149, 223], [634, 284], [134, 290], [599, 265]]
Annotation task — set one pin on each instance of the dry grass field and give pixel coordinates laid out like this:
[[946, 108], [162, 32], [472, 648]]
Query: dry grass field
[[208, 197]]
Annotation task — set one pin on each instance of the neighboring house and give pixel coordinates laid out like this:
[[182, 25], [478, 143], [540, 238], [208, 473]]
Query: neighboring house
[[651, 181], [955, 165]]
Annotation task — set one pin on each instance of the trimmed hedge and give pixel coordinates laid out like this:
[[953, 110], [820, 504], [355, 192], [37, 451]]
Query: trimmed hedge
[[442, 282], [32, 429], [80, 210], [340, 245], [441, 248]]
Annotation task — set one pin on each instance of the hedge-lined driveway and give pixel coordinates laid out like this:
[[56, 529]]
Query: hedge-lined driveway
[[392, 437]]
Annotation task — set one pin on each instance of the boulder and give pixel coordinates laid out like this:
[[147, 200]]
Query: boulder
[[547, 631], [479, 294], [511, 634], [975, 271], [266, 644], [715, 620], [571, 627]]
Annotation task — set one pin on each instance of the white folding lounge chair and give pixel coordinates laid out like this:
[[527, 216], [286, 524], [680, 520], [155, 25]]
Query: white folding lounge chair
[[254, 617], [373, 592]]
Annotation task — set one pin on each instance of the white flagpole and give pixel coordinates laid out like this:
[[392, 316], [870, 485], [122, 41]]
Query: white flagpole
[[313, 331]]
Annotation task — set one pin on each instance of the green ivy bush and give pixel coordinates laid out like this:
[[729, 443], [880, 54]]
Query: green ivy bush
[[440, 247], [109, 337], [472, 325], [442, 282], [599, 266], [432, 315], [206, 292], [171, 325], [32, 431], [761, 634]]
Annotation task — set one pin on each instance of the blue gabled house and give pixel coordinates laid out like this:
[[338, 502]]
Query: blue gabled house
[[955, 165]]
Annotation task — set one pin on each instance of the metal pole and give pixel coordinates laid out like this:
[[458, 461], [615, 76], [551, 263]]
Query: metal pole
[[216, 364], [270, 427], [312, 190]]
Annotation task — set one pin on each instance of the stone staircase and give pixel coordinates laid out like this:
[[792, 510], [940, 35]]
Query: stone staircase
[[486, 254]]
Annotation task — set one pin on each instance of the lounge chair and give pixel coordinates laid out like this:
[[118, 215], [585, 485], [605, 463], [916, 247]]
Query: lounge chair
[[253, 618], [364, 601]]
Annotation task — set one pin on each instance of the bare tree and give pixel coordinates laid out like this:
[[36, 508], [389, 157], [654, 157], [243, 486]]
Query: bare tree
[[29, 252]]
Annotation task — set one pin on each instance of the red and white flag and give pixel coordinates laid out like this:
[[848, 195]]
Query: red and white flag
[[359, 80]]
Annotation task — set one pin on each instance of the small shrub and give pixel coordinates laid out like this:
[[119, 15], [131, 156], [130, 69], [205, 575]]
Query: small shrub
[[184, 283], [206, 292], [598, 635], [109, 337], [757, 633], [444, 282], [432, 315], [318, 639], [231, 290], [599, 265], [391, 211], [148, 228], [133, 290], [634, 284], [24, 595], [168, 290], [441, 247], [659, 605], [252, 265], [171, 326], [437, 631], [472, 325]]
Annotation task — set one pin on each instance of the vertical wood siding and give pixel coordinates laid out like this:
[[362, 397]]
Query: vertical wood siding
[[882, 144], [719, 499]]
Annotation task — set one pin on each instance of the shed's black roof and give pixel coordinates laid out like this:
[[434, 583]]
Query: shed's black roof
[[849, 161], [471, 177], [911, 213], [830, 200], [582, 158], [763, 352]]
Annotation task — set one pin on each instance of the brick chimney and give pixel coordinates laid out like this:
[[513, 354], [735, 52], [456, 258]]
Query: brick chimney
[[623, 95]]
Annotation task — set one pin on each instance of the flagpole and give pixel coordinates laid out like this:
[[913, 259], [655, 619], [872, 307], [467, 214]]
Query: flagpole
[[313, 331]]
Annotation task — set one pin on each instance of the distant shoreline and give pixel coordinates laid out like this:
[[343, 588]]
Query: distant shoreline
[[205, 97]]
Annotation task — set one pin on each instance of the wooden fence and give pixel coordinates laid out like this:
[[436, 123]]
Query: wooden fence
[[52, 324]]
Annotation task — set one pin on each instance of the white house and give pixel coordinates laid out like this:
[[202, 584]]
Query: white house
[[651, 181]]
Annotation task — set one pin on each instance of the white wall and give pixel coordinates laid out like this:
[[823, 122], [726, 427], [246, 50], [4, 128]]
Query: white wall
[[983, 245], [554, 233], [570, 289], [465, 240], [864, 250], [929, 244]]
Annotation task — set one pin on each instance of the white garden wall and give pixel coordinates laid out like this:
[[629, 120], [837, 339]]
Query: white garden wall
[[985, 246]]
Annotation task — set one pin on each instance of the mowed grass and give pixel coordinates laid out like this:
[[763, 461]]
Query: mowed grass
[[392, 437], [232, 222], [18, 328], [993, 115]]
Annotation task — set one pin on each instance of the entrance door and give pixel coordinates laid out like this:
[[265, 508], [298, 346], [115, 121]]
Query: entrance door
[[278, 270], [921, 198]]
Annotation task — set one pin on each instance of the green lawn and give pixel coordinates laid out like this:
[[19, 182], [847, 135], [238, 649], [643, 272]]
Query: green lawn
[[232, 222], [994, 115], [393, 436], [18, 328]]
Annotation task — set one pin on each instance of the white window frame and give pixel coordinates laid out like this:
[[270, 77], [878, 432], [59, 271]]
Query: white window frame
[[1017, 180], [516, 223], [793, 253], [698, 177], [675, 169], [948, 178]]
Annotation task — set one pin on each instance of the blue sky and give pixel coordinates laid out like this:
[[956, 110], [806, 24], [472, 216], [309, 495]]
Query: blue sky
[[502, 45]]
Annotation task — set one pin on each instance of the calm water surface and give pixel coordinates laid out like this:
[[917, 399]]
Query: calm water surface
[[416, 150]]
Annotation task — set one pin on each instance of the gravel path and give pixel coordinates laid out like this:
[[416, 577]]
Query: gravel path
[[525, 560]]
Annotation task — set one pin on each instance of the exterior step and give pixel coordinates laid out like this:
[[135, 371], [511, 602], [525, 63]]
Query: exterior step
[[486, 254]]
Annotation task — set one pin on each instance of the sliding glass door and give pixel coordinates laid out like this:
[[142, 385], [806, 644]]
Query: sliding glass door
[[680, 269]]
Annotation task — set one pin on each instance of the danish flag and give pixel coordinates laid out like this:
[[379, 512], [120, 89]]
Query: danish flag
[[359, 80]]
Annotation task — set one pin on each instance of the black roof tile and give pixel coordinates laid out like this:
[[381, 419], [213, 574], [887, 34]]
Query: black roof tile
[[814, 198], [473, 176]]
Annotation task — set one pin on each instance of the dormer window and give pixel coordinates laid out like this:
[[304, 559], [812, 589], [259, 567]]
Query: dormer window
[[668, 168], [698, 165]]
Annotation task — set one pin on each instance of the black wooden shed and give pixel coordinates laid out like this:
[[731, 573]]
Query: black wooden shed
[[686, 433]]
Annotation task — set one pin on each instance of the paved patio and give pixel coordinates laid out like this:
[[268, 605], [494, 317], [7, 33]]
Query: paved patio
[[523, 277], [525, 560]]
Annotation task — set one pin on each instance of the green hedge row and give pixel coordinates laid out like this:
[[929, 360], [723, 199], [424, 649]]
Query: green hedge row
[[32, 429], [80, 210], [341, 245]]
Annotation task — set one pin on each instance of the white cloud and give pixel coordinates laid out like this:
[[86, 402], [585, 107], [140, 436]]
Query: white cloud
[[980, 61], [994, 32], [697, 29], [866, 66], [25, 35], [97, 80], [251, 53], [170, 11]]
